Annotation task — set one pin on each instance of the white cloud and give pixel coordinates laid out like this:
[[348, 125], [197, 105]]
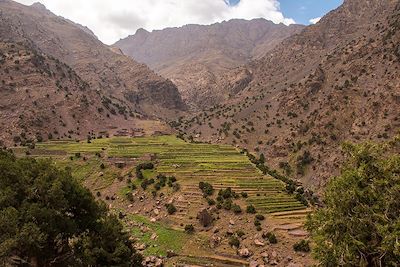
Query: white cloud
[[112, 20], [314, 21]]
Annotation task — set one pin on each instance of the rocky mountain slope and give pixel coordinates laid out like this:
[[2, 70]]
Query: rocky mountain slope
[[73, 65], [195, 56], [335, 81]]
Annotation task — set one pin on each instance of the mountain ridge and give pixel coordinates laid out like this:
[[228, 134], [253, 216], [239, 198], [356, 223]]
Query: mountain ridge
[[192, 55], [122, 90], [333, 82]]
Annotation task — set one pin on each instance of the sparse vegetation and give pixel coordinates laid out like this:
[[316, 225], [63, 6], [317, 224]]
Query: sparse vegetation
[[189, 229], [251, 209], [234, 242], [302, 246], [271, 237], [171, 209], [206, 188]]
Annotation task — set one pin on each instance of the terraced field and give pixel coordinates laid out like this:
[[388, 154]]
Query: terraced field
[[221, 165]]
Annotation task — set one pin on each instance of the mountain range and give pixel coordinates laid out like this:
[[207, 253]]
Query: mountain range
[[333, 82], [194, 57], [292, 93], [59, 80]]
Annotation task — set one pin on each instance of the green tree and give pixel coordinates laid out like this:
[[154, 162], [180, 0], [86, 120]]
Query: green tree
[[48, 219], [360, 223]]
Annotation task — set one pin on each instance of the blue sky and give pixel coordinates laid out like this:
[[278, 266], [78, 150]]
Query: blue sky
[[304, 10]]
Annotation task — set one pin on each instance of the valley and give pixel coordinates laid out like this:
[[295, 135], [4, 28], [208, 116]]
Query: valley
[[237, 143], [107, 167]]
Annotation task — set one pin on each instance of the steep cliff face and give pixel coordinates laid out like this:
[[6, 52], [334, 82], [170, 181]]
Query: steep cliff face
[[104, 70], [195, 56], [335, 81]]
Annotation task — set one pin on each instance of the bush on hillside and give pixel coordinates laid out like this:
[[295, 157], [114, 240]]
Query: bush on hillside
[[360, 223]]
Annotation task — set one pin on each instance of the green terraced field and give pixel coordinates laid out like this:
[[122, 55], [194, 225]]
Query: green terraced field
[[167, 238], [221, 165]]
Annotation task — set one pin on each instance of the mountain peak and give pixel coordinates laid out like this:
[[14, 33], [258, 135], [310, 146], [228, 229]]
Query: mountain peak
[[39, 6], [142, 31]]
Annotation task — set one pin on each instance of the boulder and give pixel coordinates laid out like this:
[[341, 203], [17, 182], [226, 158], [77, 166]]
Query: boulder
[[259, 243], [244, 252], [215, 241], [159, 262], [140, 247], [156, 212], [154, 236]]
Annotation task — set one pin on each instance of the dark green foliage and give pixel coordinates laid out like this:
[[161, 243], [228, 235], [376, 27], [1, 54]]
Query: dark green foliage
[[236, 209], [171, 209], [290, 184], [257, 222], [210, 201], [303, 246], [206, 188], [251, 209], [291, 187], [234, 242], [227, 204], [240, 233], [302, 161], [301, 198], [189, 229], [161, 182], [129, 197], [244, 195], [146, 182], [226, 193], [260, 217], [271, 237], [47, 218], [172, 179], [102, 166], [143, 166], [360, 223]]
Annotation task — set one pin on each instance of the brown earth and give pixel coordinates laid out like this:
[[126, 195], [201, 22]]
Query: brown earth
[[336, 81], [209, 244], [59, 57], [193, 56]]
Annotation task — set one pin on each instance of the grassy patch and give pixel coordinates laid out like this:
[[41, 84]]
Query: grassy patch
[[168, 238]]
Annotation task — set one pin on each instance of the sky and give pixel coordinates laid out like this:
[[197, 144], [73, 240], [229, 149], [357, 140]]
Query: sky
[[112, 20]]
